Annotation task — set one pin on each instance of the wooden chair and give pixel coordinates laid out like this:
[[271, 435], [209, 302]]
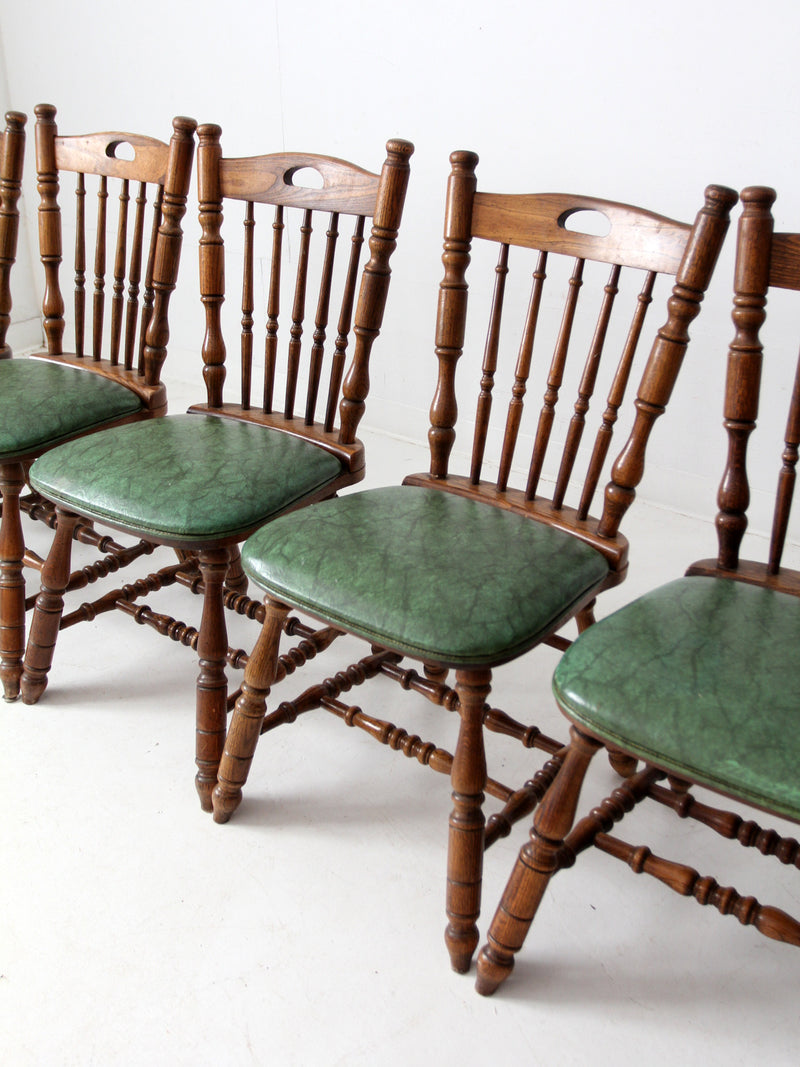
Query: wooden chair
[[58, 395], [459, 572], [203, 481], [12, 153], [698, 678]]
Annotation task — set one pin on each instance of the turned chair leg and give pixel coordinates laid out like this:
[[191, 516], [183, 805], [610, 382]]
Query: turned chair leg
[[48, 610], [212, 682], [12, 581], [467, 822], [537, 862], [236, 579], [249, 713]]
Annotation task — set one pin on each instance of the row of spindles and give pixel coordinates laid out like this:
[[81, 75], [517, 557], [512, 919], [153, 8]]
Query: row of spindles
[[555, 379], [125, 346], [298, 315], [585, 393]]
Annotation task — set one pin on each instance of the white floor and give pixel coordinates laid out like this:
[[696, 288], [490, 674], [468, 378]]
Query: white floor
[[309, 929]]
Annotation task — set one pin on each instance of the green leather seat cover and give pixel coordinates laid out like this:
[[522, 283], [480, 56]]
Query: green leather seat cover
[[42, 403], [437, 576], [194, 477], [701, 677]]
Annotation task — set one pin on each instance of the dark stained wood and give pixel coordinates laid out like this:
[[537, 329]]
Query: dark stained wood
[[465, 851], [12, 581], [12, 475], [273, 310], [12, 153], [763, 260], [521, 374], [636, 237], [639, 239], [762, 256], [538, 861], [451, 317], [346, 188], [250, 707], [212, 684], [489, 367], [49, 606], [80, 264], [98, 303]]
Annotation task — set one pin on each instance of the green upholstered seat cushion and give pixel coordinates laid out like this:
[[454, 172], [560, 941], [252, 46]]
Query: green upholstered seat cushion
[[428, 573], [194, 477], [42, 403], [701, 677]]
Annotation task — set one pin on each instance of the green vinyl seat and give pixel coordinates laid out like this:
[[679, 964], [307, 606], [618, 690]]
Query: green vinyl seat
[[673, 679], [44, 403], [439, 577], [185, 479]]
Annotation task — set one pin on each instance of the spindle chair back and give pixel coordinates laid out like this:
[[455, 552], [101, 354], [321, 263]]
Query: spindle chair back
[[458, 572], [121, 197], [697, 678], [203, 481], [113, 374], [289, 375]]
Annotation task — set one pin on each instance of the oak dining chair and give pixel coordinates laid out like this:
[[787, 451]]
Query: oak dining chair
[[697, 679], [203, 481], [464, 571], [113, 376]]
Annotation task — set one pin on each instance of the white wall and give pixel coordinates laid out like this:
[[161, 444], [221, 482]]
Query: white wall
[[638, 102]]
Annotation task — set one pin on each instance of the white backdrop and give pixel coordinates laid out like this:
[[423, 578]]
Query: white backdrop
[[637, 102]]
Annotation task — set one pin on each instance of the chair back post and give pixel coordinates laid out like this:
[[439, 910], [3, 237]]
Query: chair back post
[[751, 282], [666, 356], [49, 226], [212, 259], [13, 153], [452, 311], [168, 249], [375, 283]]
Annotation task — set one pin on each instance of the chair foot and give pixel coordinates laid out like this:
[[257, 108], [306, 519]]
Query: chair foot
[[461, 944], [493, 969], [11, 678], [204, 789], [32, 688], [225, 802]]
